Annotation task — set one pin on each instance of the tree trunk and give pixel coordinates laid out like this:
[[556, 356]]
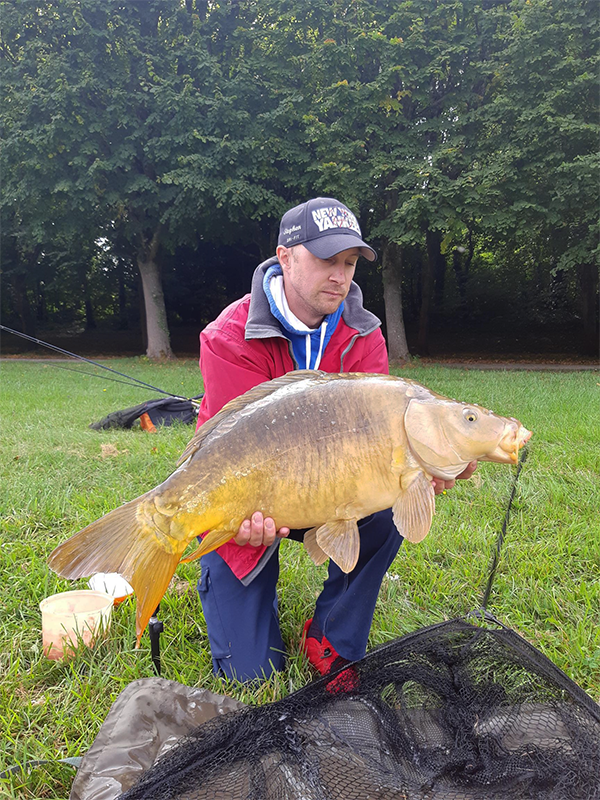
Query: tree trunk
[[90, 320], [461, 277], [439, 271], [21, 303], [427, 283], [391, 262], [587, 280], [123, 319], [265, 237], [142, 311], [461, 264], [159, 342], [41, 308]]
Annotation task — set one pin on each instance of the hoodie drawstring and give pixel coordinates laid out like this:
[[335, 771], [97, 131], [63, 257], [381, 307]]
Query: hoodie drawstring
[[320, 353]]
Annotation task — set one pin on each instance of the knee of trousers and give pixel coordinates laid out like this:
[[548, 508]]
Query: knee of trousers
[[241, 622], [378, 533]]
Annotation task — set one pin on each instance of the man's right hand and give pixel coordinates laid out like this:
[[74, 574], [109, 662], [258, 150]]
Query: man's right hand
[[259, 530]]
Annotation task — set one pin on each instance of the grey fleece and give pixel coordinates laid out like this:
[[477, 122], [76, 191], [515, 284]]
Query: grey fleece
[[261, 324]]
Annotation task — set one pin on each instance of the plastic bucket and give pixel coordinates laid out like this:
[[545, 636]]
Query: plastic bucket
[[113, 584], [70, 618]]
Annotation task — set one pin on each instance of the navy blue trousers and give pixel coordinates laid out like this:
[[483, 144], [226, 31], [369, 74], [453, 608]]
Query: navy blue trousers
[[242, 622]]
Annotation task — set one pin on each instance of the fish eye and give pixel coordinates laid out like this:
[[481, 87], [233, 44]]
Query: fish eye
[[470, 415]]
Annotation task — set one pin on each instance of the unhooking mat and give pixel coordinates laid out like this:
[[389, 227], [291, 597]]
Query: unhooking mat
[[145, 721]]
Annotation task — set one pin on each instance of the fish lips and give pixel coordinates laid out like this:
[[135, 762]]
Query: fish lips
[[507, 450]]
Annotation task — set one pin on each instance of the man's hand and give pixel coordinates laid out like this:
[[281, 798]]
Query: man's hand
[[440, 485], [259, 530]]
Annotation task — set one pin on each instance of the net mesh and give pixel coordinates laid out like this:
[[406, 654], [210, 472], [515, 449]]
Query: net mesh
[[451, 712]]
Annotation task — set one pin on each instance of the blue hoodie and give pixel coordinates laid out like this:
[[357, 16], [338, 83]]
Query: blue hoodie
[[308, 344]]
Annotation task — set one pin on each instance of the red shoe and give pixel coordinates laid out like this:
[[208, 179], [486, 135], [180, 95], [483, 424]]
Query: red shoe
[[325, 659], [319, 650]]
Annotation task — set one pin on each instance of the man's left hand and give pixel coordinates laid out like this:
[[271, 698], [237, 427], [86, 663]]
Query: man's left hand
[[440, 485], [259, 530]]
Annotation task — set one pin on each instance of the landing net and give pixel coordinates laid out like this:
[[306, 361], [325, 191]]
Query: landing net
[[451, 712]]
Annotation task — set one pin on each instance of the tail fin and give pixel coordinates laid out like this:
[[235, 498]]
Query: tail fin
[[122, 541]]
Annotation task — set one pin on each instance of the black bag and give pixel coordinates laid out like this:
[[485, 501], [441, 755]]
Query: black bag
[[164, 411]]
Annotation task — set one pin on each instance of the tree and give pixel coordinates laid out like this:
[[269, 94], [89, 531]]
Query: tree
[[396, 88], [460, 131], [539, 165], [40, 203], [147, 117]]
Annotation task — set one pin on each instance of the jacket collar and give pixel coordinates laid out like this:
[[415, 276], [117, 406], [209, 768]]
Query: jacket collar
[[261, 323]]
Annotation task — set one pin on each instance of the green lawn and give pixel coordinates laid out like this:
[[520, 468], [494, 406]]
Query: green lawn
[[56, 476]]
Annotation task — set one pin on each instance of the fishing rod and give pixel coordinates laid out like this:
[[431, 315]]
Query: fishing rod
[[132, 381], [106, 378]]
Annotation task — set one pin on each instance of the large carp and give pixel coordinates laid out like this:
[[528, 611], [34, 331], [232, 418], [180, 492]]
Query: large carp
[[310, 449]]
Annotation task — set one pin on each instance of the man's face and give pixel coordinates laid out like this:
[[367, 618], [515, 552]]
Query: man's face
[[315, 287]]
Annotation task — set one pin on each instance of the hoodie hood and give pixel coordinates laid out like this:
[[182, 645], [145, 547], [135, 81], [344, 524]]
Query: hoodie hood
[[262, 324]]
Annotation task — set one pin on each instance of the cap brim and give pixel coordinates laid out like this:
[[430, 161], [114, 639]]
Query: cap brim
[[328, 246]]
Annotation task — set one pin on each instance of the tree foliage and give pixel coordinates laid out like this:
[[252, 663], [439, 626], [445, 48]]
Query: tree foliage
[[166, 136]]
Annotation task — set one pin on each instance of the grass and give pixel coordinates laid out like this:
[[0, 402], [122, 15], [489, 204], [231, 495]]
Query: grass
[[55, 477]]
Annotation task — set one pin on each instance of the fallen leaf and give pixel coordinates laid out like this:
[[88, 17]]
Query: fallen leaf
[[109, 450]]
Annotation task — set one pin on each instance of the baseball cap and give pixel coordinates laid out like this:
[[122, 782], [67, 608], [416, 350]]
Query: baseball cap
[[325, 227]]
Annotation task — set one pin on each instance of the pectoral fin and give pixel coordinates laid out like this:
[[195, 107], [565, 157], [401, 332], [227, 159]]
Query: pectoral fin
[[312, 548], [409, 477], [339, 539], [415, 506]]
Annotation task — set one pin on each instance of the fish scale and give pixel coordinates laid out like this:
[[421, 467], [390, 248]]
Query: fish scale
[[311, 450]]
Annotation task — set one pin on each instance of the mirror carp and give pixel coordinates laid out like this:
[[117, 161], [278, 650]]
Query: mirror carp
[[311, 450]]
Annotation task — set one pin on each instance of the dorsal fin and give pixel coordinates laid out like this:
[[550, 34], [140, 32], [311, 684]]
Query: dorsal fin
[[228, 415]]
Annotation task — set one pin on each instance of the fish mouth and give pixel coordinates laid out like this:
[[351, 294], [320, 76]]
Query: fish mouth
[[507, 449]]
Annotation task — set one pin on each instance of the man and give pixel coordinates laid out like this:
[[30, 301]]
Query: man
[[303, 312]]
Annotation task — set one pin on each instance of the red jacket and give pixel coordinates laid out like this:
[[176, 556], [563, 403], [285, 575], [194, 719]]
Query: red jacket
[[245, 346]]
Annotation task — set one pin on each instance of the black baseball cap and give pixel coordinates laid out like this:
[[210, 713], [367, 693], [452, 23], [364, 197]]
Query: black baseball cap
[[325, 227]]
